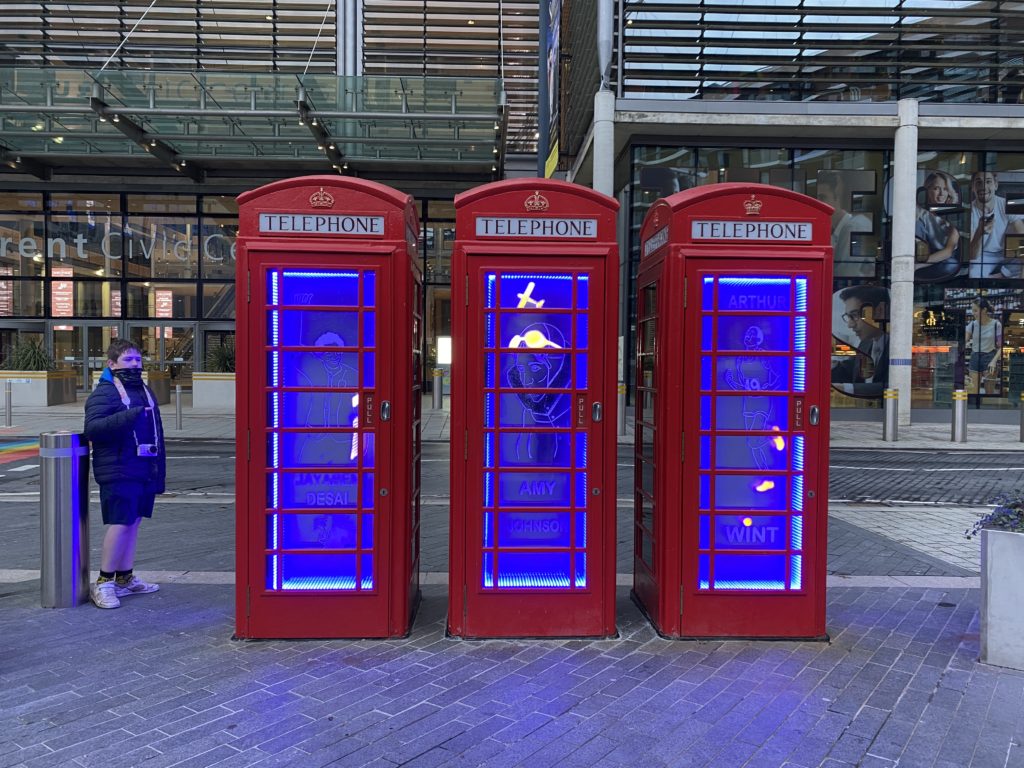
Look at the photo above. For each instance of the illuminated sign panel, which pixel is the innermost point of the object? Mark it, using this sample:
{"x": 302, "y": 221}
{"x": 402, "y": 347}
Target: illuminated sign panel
{"x": 321, "y": 224}
{"x": 790, "y": 231}
{"x": 522, "y": 226}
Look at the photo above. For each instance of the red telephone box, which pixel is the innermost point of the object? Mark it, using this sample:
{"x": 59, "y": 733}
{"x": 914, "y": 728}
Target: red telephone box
{"x": 328, "y": 410}
{"x": 732, "y": 426}
{"x": 534, "y": 329}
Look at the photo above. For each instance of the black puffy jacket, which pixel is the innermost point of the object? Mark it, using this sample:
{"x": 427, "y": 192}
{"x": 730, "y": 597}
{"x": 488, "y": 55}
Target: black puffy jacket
{"x": 109, "y": 426}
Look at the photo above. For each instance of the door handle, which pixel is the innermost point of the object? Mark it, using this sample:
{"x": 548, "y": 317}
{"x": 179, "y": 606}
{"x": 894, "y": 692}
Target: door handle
{"x": 814, "y": 416}
{"x": 596, "y": 411}
{"x": 385, "y": 410}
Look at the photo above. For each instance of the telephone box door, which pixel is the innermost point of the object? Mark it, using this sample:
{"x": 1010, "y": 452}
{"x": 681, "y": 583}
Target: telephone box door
{"x": 759, "y": 407}
{"x": 322, "y": 421}
{"x": 535, "y": 558}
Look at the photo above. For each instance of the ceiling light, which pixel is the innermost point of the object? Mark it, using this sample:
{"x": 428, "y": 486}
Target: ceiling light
{"x": 320, "y": 147}
{"x": 103, "y": 119}
{"x": 116, "y": 119}
{"x": 301, "y": 121}
{"x": 152, "y": 142}
{"x": 345, "y": 166}
{"x": 182, "y": 163}
{"x": 494, "y": 168}
{"x": 495, "y": 150}
{"x": 330, "y": 146}
{"x": 58, "y": 139}
{"x": 471, "y": 22}
{"x": 269, "y": 18}
{"x": 38, "y": 127}
{"x": 313, "y": 121}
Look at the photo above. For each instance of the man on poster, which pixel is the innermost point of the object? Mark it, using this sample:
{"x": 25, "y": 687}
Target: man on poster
{"x": 990, "y": 224}
{"x": 865, "y": 307}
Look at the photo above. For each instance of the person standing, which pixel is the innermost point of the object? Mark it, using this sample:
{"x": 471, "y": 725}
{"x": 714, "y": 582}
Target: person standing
{"x": 122, "y": 421}
{"x": 984, "y": 338}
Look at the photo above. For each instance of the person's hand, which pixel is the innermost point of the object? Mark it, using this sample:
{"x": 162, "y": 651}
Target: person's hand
{"x": 953, "y": 239}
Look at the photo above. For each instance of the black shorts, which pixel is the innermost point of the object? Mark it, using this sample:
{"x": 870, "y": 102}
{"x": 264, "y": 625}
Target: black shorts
{"x": 125, "y": 503}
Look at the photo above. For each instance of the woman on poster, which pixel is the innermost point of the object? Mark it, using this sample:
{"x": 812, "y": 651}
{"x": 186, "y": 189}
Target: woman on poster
{"x": 938, "y": 239}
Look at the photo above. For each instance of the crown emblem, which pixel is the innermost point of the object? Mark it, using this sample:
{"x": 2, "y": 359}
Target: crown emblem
{"x": 536, "y": 203}
{"x": 752, "y": 206}
{"x": 321, "y": 199}
{"x": 656, "y": 218}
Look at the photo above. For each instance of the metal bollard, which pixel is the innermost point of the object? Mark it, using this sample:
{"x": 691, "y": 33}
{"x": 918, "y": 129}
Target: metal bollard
{"x": 177, "y": 407}
{"x": 8, "y": 400}
{"x": 622, "y": 408}
{"x": 959, "y": 432}
{"x": 64, "y": 519}
{"x": 438, "y": 390}
{"x": 890, "y": 423}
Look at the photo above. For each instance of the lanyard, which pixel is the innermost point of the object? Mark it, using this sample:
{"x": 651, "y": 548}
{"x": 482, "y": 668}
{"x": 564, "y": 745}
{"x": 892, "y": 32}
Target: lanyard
{"x": 127, "y": 403}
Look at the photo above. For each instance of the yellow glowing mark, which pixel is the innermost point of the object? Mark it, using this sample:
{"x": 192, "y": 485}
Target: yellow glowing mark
{"x": 764, "y": 485}
{"x": 526, "y": 299}
{"x": 533, "y": 339}
{"x": 748, "y": 521}
{"x": 777, "y": 441}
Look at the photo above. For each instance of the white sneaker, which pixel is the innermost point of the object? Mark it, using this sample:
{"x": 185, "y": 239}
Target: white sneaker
{"x": 135, "y": 587}
{"x": 104, "y": 595}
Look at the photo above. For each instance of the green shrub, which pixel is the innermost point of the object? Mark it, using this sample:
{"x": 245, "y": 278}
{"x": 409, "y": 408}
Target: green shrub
{"x": 28, "y": 355}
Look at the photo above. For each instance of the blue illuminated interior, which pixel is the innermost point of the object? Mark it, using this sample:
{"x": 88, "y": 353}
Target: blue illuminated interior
{"x": 751, "y": 464}
{"x": 320, "y": 488}
{"x": 535, "y": 489}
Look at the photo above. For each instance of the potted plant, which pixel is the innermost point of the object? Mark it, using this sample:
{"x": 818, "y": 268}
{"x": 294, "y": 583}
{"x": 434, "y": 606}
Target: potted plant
{"x": 34, "y": 376}
{"x": 1002, "y": 573}
{"x": 214, "y": 388}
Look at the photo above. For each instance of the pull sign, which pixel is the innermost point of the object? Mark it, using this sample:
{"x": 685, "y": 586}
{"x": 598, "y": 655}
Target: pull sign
{"x": 798, "y": 413}
{"x": 581, "y": 411}
{"x": 369, "y": 415}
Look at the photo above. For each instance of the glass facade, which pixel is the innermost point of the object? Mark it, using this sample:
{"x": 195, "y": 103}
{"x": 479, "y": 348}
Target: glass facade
{"x": 968, "y": 322}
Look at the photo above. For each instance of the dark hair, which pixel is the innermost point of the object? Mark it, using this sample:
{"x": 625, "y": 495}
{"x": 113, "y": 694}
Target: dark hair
{"x": 119, "y": 346}
{"x": 869, "y": 295}
{"x": 983, "y": 304}
{"x": 831, "y": 179}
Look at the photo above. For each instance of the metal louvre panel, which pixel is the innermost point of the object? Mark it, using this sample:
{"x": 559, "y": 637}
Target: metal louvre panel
{"x": 195, "y": 34}
{"x": 436, "y": 38}
{"x": 867, "y": 50}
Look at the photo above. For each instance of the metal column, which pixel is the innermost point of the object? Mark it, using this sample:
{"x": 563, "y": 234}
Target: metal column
{"x": 890, "y": 425}
{"x": 959, "y": 431}
{"x": 64, "y": 519}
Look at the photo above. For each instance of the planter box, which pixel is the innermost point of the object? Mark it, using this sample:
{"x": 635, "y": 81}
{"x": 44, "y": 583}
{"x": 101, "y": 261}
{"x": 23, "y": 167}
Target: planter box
{"x": 213, "y": 392}
{"x": 1002, "y": 620}
{"x": 158, "y": 381}
{"x": 41, "y": 388}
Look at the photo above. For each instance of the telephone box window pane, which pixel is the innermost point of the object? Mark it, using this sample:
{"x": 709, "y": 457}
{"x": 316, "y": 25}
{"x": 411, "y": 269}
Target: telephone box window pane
{"x": 755, "y": 492}
{"x": 798, "y": 453}
{"x": 799, "y": 374}
{"x": 489, "y": 371}
{"x": 756, "y": 532}
{"x": 583, "y": 292}
{"x": 581, "y": 569}
{"x": 754, "y": 333}
{"x": 754, "y": 294}
{"x": 705, "y": 451}
{"x": 757, "y": 452}
{"x": 535, "y": 331}
{"x": 312, "y": 328}
{"x": 647, "y": 477}
{"x": 536, "y": 530}
{"x": 317, "y": 409}
{"x": 368, "y": 490}
{"x": 369, "y": 450}
{"x": 801, "y": 294}
{"x": 581, "y": 490}
{"x": 533, "y": 489}
{"x": 274, "y": 287}
{"x": 488, "y": 409}
{"x": 488, "y": 529}
{"x": 747, "y": 412}
{"x": 489, "y": 340}
{"x": 305, "y": 449}
{"x": 369, "y": 369}
{"x": 705, "y": 373}
{"x": 798, "y": 493}
{"x": 707, "y": 294}
{"x": 550, "y": 291}
{"x": 367, "y": 542}
{"x": 369, "y": 329}
{"x": 705, "y": 412}
{"x": 319, "y": 490}
{"x": 490, "y": 286}
{"x": 536, "y": 409}
{"x": 532, "y": 449}
{"x": 489, "y": 449}
{"x": 366, "y": 571}
{"x": 752, "y": 373}
{"x": 705, "y": 492}
{"x": 318, "y": 572}
{"x": 582, "y": 334}
{"x": 317, "y": 369}
{"x": 320, "y": 289}
{"x": 273, "y": 566}
{"x": 581, "y": 450}
{"x": 581, "y": 530}
{"x": 800, "y": 334}
{"x": 707, "y": 337}
{"x": 703, "y": 532}
{"x": 796, "y": 574}
{"x": 525, "y": 570}
{"x": 581, "y": 371}
{"x": 755, "y": 573}
{"x": 369, "y": 289}
{"x": 488, "y": 489}
{"x": 488, "y": 569}
{"x": 535, "y": 371}
{"x": 330, "y": 531}
{"x": 704, "y": 571}
{"x": 797, "y": 532}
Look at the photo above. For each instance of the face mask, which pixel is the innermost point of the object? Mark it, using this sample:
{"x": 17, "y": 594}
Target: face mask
{"x": 130, "y": 377}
